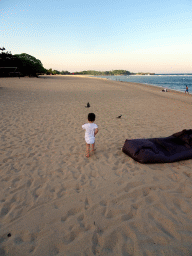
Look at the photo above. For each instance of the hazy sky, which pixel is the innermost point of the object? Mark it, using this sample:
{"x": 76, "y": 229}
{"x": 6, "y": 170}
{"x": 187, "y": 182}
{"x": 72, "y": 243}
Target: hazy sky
{"x": 76, "y": 35}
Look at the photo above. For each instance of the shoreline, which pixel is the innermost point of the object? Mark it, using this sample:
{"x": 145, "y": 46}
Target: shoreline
{"x": 144, "y": 84}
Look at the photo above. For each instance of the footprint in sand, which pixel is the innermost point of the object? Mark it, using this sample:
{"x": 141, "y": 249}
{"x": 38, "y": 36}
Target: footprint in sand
{"x": 86, "y": 203}
{"x": 71, "y": 212}
{"x": 18, "y": 240}
{"x": 127, "y": 216}
{"x": 81, "y": 217}
{"x": 95, "y": 240}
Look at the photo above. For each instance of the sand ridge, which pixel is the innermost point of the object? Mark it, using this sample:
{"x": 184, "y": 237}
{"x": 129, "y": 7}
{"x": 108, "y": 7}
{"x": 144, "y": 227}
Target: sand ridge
{"x": 55, "y": 201}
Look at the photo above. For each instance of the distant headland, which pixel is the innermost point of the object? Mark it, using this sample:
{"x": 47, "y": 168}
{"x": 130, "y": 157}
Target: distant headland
{"x": 118, "y": 72}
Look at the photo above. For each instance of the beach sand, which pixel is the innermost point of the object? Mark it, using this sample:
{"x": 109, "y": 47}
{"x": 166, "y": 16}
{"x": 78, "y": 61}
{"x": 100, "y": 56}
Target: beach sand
{"x": 55, "y": 201}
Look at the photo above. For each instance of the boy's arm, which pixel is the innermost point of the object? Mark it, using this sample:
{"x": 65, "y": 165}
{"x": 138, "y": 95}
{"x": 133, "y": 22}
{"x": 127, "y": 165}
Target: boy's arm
{"x": 96, "y": 131}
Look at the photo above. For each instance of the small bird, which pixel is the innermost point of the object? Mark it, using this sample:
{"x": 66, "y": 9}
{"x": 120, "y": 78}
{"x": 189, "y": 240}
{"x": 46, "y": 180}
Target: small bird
{"x": 88, "y": 105}
{"x": 119, "y": 116}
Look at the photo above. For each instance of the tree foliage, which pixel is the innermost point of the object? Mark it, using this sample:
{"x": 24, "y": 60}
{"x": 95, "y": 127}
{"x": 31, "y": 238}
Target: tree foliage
{"x": 8, "y": 63}
{"x": 24, "y": 64}
{"x": 103, "y": 73}
{"x": 56, "y": 72}
{"x": 29, "y": 65}
{"x": 89, "y": 72}
{"x": 5, "y": 58}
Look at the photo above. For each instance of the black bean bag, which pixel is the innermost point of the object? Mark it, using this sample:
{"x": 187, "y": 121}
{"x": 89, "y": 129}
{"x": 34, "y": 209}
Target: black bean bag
{"x": 174, "y": 148}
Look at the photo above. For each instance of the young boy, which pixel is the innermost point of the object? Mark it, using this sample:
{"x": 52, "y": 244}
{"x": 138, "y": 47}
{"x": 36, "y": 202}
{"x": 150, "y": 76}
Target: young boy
{"x": 91, "y": 130}
{"x": 187, "y": 89}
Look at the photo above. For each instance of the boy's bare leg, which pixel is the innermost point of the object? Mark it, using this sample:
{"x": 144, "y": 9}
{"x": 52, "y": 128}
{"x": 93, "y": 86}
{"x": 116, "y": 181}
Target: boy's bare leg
{"x": 87, "y": 149}
{"x": 93, "y": 147}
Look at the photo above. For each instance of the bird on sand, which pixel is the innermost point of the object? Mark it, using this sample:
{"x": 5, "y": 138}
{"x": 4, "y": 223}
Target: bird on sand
{"x": 119, "y": 116}
{"x": 88, "y": 105}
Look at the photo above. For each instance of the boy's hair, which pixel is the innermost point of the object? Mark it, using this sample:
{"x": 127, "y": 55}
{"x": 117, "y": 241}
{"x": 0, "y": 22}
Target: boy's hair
{"x": 91, "y": 117}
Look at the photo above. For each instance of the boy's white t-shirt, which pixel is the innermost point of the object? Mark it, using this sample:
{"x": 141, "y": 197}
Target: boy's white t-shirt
{"x": 89, "y": 132}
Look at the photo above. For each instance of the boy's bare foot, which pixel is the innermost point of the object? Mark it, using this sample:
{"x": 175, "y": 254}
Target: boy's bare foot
{"x": 93, "y": 150}
{"x": 87, "y": 155}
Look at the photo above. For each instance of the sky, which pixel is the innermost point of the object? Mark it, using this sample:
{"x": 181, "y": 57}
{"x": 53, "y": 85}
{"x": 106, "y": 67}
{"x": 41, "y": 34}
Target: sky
{"x": 76, "y": 35}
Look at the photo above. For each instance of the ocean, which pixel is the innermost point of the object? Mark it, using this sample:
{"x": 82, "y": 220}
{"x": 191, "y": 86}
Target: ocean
{"x": 176, "y": 82}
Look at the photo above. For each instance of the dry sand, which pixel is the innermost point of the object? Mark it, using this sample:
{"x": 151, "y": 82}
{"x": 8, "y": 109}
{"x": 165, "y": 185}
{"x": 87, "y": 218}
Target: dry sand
{"x": 55, "y": 201}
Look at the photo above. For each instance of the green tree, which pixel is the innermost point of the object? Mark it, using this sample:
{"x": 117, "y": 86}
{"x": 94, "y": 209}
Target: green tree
{"x": 5, "y": 57}
{"x": 56, "y": 72}
{"x": 65, "y": 72}
{"x": 104, "y": 73}
{"x": 29, "y": 65}
{"x": 49, "y": 71}
{"x": 8, "y": 63}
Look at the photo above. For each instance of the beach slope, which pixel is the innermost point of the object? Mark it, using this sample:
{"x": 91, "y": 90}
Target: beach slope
{"x": 55, "y": 201}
